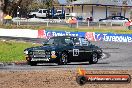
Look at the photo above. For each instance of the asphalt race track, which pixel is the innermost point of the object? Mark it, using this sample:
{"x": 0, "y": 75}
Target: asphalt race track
{"x": 117, "y": 56}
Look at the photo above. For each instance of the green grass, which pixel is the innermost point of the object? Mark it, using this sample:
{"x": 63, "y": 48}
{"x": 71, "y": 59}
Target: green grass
{"x": 12, "y": 51}
{"x": 102, "y": 30}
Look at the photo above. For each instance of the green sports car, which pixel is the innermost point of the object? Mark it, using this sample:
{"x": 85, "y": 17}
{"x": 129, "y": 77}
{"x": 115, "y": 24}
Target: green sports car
{"x": 63, "y": 50}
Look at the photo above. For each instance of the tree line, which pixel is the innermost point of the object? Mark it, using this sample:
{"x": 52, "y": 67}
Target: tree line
{"x": 11, "y": 7}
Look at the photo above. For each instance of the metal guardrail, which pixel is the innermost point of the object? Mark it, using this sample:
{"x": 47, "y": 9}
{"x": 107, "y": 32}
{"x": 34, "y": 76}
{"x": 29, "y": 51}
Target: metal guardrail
{"x": 62, "y": 22}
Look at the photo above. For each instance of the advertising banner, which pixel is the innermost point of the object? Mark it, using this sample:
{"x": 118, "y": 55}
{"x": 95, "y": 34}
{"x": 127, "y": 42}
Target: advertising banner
{"x": 110, "y": 37}
{"x": 51, "y": 33}
{"x": 92, "y": 36}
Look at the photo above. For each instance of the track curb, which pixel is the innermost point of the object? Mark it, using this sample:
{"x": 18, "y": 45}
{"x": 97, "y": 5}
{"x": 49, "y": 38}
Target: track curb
{"x": 13, "y": 63}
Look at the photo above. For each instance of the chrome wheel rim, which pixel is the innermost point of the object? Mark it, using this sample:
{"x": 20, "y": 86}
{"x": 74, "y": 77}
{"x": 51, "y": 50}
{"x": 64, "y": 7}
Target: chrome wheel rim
{"x": 64, "y": 58}
{"x": 95, "y": 58}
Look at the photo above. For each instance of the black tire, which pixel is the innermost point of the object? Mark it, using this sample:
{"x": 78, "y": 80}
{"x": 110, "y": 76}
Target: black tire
{"x": 34, "y": 16}
{"x": 32, "y": 63}
{"x": 64, "y": 59}
{"x": 81, "y": 80}
{"x": 94, "y": 58}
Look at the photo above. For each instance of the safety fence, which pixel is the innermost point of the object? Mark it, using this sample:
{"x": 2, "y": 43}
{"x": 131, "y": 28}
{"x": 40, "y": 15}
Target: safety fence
{"x": 63, "y": 22}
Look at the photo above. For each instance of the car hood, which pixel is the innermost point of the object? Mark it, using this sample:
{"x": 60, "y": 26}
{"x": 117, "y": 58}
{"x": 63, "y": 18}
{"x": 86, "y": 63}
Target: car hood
{"x": 46, "y": 47}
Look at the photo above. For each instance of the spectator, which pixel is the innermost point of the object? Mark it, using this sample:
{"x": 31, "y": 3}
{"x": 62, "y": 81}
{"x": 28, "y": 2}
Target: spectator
{"x": 90, "y": 19}
{"x": 72, "y": 21}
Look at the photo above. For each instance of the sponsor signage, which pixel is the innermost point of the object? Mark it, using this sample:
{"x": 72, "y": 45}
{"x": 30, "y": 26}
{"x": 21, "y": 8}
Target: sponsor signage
{"x": 110, "y": 37}
{"x": 103, "y": 78}
{"x": 51, "y": 33}
{"x": 91, "y": 36}
{"x": 83, "y": 78}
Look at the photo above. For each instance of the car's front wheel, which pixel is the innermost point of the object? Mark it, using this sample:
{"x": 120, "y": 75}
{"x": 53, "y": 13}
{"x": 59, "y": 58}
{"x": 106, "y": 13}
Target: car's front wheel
{"x": 94, "y": 58}
{"x": 64, "y": 59}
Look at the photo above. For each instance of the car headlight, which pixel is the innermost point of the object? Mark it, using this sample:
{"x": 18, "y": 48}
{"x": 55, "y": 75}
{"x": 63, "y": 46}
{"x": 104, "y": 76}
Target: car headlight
{"x": 53, "y": 52}
{"x": 26, "y": 52}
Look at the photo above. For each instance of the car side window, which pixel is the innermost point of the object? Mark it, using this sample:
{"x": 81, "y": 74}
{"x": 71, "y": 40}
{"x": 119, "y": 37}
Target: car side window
{"x": 68, "y": 41}
{"x": 84, "y": 42}
{"x": 76, "y": 41}
{"x": 44, "y": 11}
{"x": 40, "y": 11}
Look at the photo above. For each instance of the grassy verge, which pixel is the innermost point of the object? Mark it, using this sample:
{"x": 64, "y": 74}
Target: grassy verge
{"x": 119, "y": 30}
{"x": 11, "y": 51}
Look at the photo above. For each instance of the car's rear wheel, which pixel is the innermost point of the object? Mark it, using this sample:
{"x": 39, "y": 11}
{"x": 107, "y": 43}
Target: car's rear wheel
{"x": 94, "y": 58}
{"x": 64, "y": 59}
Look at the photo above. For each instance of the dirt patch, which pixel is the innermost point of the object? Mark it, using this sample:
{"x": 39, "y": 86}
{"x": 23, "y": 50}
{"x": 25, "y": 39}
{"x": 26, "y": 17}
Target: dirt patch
{"x": 53, "y": 79}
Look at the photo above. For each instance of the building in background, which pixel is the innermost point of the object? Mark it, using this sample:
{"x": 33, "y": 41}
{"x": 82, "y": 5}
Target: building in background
{"x": 98, "y": 9}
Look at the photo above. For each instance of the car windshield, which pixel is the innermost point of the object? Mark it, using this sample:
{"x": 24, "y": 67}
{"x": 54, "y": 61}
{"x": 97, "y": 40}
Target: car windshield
{"x": 68, "y": 40}
{"x": 59, "y": 40}
{"x": 52, "y": 41}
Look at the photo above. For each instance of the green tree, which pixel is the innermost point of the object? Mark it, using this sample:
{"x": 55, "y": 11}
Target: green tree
{"x": 12, "y": 6}
{"x": 9, "y": 6}
{"x": 45, "y": 4}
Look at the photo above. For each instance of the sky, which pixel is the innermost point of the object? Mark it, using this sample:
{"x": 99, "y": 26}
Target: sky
{"x": 62, "y": 1}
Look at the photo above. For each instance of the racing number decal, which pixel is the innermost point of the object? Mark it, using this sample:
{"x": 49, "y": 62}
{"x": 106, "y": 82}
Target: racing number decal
{"x": 75, "y": 52}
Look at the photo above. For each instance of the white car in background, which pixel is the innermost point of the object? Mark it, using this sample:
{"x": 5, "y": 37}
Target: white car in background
{"x": 114, "y": 19}
{"x": 39, "y": 13}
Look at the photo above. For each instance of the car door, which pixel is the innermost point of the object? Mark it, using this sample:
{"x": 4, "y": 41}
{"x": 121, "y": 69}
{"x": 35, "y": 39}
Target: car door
{"x": 77, "y": 51}
{"x": 39, "y": 14}
{"x": 87, "y": 49}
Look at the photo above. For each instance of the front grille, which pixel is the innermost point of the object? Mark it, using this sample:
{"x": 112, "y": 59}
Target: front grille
{"x": 38, "y": 52}
{"x": 41, "y": 53}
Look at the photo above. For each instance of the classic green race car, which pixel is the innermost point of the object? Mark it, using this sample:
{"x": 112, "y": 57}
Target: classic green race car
{"x": 63, "y": 50}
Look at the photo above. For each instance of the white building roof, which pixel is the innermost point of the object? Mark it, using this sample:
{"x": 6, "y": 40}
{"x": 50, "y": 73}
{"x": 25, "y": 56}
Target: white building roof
{"x": 104, "y": 2}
